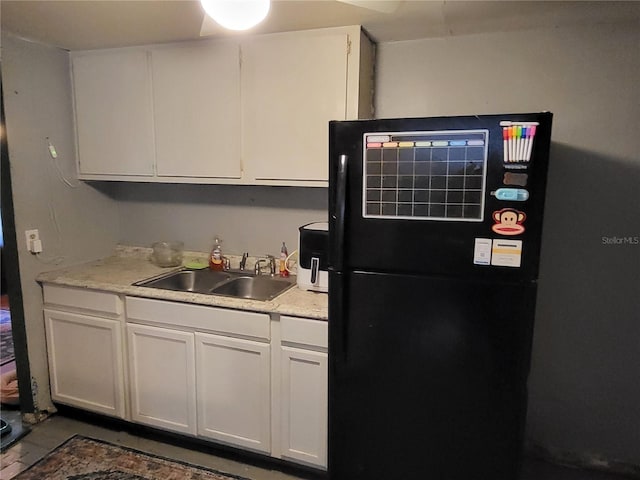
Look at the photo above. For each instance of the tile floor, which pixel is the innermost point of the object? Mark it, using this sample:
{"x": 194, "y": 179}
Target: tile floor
{"x": 47, "y": 435}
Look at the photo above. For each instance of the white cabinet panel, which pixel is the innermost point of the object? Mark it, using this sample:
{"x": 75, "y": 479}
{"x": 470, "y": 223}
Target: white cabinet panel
{"x": 233, "y": 391}
{"x": 86, "y": 361}
{"x": 304, "y": 405}
{"x": 162, "y": 373}
{"x": 305, "y": 331}
{"x": 199, "y": 317}
{"x": 113, "y": 107}
{"x": 292, "y": 85}
{"x": 196, "y": 91}
{"x": 105, "y": 303}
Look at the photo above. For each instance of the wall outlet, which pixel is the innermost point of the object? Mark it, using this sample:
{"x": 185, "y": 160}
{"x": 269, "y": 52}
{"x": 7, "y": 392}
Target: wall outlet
{"x": 34, "y": 245}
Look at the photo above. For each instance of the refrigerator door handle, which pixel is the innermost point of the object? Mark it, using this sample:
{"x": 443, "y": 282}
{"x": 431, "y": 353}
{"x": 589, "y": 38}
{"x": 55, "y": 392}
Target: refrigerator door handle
{"x": 339, "y": 215}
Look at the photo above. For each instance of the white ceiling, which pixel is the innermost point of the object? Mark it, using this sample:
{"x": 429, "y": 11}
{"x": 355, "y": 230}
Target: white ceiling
{"x": 90, "y": 24}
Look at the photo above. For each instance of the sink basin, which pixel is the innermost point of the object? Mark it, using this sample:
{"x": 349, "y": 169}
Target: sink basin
{"x": 198, "y": 281}
{"x": 229, "y": 284}
{"x": 255, "y": 288}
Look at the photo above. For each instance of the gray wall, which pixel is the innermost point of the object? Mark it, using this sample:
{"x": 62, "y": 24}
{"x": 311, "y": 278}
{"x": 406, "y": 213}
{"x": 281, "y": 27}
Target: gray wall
{"x": 76, "y": 224}
{"x": 585, "y": 379}
{"x": 253, "y": 219}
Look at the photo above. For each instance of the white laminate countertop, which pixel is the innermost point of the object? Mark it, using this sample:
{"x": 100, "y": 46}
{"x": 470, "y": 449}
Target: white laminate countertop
{"x": 129, "y": 265}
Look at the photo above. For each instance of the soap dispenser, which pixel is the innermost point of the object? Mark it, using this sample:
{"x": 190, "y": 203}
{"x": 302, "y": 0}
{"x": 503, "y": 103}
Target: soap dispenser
{"x": 283, "y": 261}
{"x": 215, "y": 259}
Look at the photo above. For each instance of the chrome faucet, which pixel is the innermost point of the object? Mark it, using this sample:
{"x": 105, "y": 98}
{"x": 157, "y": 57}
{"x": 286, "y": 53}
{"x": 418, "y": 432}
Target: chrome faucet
{"x": 243, "y": 262}
{"x": 256, "y": 268}
{"x": 272, "y": 265}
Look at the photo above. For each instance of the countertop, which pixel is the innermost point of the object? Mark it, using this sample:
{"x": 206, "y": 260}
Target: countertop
{"x": 129, "y": 265}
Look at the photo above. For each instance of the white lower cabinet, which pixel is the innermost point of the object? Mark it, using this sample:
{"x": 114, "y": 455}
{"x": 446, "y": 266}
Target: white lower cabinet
{"x": 84, "y": 331}
{"x": 85, "y": 361}
{"x": 249, "y": 380}
{"x": 201, "y": 370}
{"x": 233, "y": 391}
{"x": 304, "y": 405}
{"x": 303, "y": 390}
{"x": 162, "y": 373}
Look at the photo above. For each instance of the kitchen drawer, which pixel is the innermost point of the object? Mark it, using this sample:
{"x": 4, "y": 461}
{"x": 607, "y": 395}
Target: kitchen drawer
{"x": 304, "y": 331}
{"x": 199, "y": 317}
{"x": 83, "y": 299}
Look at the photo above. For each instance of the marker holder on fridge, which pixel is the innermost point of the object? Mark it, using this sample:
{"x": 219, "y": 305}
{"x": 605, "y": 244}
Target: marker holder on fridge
{"x": 517, "y": 140}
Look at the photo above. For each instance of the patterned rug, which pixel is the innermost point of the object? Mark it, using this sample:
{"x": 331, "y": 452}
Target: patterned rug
{"x": 82, "y": 458}
{"x": 6, "y": 339}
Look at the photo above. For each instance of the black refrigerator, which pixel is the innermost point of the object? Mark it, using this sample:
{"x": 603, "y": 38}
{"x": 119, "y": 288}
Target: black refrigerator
{"x": 434, "y": 232}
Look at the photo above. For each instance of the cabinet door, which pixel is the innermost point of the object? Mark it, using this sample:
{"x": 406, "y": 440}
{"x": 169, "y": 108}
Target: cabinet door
{"x": 196, "y": 91}
{"x": 304, "y": 405}
{"x": 292, "y": 85}
{"x": 162, "y": 375}
{"x": 233, "y": 384}
{"x": 113, "y": 107}
{"x": 86, "y": 361}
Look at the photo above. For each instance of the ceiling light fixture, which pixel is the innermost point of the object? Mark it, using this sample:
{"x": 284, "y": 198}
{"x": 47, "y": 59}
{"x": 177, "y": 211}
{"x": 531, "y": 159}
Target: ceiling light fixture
{"x": 237, "y": 14}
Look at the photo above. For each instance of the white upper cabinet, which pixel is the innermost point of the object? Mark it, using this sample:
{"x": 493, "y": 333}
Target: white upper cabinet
{"x": 113, "y": 107}
{"x": 293, "y": 84}
{"x": 196, "y": 99}
{"x": 248, "y": 112}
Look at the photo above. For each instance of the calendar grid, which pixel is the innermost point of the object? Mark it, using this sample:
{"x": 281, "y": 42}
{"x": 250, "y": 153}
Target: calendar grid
{"x": 425, "y": 175}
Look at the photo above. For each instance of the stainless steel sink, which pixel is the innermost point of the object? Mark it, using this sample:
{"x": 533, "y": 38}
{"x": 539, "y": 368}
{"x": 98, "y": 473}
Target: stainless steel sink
{"x": 256, "y": 288}
{"x": 230, "y": 284}
{"x": 198, "y": 281}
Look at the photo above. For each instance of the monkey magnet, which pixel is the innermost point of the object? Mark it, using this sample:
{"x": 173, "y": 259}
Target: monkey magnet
{"x": 508, "y": 221}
